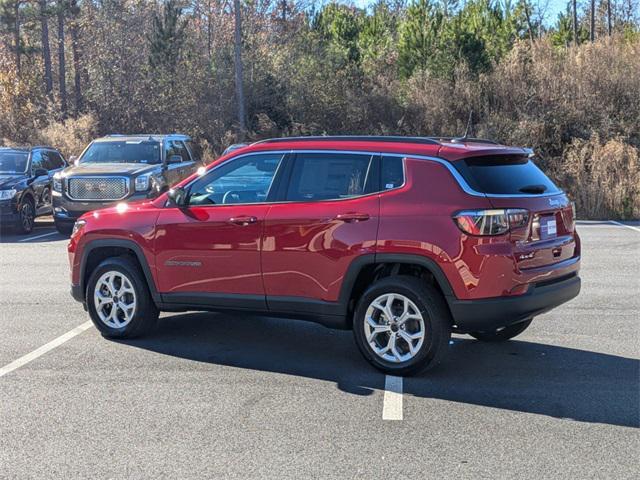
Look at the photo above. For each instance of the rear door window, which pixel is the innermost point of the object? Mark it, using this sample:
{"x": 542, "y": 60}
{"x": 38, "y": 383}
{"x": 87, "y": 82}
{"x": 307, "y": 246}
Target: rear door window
{"x": 330, "y": 176}
{"x": 505, "y": 175}
{"x": 54, "y": 161}
{"x": 176, "y": 147}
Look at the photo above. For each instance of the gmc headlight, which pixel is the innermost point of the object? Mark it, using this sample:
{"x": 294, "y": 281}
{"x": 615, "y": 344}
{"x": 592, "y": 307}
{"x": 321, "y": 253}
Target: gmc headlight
{"x": 57, "y": 182}
{"x": 8, "y": 194}
{"x": 143, "y": 182}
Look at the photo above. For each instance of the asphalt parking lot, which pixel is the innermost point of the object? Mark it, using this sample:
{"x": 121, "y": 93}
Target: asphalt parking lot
{"x": 221, "y": 396}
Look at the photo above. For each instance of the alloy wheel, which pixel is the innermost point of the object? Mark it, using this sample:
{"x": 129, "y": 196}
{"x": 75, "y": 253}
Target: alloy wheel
{"x": 27, "y": 216}
{"x": 394, "y": 328}
{"x": 115, "y": 299}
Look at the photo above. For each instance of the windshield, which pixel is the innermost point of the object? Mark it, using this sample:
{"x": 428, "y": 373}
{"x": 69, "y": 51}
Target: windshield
{"x": 13, "y": 162}
{"x": 122, "y": 152}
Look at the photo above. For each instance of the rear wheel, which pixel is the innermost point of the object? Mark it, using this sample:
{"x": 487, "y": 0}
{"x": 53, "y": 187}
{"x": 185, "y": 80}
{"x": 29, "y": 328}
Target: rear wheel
{"x": 119, "y": 301}
{"x": 26, "y": 216}
{"x": 402, "y": 326}
{"x": 502, "y": 334}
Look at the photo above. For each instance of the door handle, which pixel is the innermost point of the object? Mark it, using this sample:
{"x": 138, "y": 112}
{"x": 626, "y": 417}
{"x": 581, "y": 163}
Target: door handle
{"x": 243, "y": 220}
{"x": 352, "y": 217}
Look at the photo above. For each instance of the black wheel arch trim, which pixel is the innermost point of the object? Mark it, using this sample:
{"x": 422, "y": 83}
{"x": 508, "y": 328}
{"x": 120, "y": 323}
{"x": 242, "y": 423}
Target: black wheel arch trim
{"x": 118, "y": 243}
{"x": 362, "y": 261}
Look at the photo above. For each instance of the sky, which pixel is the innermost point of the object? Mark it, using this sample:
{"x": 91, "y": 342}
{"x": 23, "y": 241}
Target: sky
{"x": 553, "y": 7}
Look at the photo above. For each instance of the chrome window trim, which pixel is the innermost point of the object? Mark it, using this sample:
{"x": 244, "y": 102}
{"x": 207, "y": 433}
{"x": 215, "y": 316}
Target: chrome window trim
{"x": 127, "y": 186}
{"x": 291, "y": 152}
{"x": 447, "y": 164}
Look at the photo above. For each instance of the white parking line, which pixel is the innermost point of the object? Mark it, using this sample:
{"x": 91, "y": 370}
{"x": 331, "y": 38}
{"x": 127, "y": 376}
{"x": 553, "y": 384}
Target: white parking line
{"x": 624, "y": 225}
{"x": 392, "y": 407}
{"x": 38, "y": 236}
{"x": 38, "y": 352}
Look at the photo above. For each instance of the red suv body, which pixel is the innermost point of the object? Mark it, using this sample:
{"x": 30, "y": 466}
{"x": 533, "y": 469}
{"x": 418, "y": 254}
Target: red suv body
{"x": 403, "y": 239}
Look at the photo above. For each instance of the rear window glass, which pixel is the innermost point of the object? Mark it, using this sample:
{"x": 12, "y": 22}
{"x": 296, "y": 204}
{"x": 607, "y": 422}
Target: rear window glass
{"x": 506, "y": 175}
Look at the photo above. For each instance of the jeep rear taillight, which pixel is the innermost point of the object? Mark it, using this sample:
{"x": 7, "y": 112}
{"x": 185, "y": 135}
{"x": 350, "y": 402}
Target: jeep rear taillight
{"x": 491, "y": 222}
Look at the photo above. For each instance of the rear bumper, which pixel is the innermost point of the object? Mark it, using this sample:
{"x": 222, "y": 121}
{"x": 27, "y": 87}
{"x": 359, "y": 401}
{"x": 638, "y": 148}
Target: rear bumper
{"x": 492, "y": 313}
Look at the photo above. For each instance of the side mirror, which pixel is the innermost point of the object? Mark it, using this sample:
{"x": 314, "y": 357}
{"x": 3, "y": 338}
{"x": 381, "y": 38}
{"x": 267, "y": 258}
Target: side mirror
{"x": 40, "y": 172}
{"x": 175, "y": 159}
{"x": 72, "y": 160}
{"x": 178, "y": 196}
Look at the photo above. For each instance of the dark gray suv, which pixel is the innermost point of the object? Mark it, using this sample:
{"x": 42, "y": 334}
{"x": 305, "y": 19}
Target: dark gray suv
{"x": 119, "y": 168}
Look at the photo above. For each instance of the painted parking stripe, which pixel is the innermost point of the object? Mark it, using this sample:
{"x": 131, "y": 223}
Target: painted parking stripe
{"x": 38, "y": 236}
{"x": 38, "y": 352}
{"x": 392, "y": 407}
{"x": 625, "y": 225}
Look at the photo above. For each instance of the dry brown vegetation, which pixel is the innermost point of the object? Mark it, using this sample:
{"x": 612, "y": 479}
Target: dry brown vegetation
{"x": 577, "y": 106}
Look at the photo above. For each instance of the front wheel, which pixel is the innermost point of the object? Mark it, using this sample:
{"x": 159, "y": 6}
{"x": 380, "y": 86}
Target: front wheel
{"x": 402, "y": 325}
{"x": 26, "y": 216}
{"x": 502, "y": 334}
{"x": 119, "y": 301}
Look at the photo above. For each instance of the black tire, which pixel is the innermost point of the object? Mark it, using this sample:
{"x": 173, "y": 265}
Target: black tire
{"x": 26, "y": 216}
{"x": 64, "y": 228}
{"x": 435, "y": 315}
{"x": 502, "y": 334}
{"x": 145, "y": 314}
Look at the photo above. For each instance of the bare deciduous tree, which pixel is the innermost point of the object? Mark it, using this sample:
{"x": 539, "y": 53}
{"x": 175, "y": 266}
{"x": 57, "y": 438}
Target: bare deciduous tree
{"x": 62, "y": 71}
{"x": 238, "y": 67}
{"x": 46, "y": 51}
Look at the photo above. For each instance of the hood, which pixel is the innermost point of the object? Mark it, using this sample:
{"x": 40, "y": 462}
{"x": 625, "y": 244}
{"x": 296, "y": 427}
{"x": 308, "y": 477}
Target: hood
{"x": 9, "y": 180}
{"x": 126, "y": 169}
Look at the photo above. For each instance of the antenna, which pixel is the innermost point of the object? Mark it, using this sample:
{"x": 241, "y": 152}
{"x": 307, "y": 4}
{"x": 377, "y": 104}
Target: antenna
{"x": 467, "y": 131}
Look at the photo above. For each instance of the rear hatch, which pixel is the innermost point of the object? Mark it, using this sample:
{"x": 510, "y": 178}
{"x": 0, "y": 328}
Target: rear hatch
{"x": 515, "y": 182}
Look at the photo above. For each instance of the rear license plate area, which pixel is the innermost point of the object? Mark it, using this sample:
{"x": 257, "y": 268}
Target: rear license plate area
{"x": 548, "y": 228}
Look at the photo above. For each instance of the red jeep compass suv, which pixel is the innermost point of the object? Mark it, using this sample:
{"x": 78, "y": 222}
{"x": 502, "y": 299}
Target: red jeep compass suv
{"x": 403, "y": 240}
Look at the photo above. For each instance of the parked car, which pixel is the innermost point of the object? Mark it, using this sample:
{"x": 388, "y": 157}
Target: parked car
{"x": 403, "y": 240}
{"x": 119, "y": 168}
{"x": 25, "y": 184}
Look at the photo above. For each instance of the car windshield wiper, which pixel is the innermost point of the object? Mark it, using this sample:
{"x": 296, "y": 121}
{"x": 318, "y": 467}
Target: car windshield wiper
{"x": 533, "y": 189}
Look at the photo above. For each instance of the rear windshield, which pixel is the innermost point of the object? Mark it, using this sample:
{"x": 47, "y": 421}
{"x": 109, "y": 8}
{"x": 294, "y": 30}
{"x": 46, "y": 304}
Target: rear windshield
{"x": 505, "y": 175}
{"x": 122, "y": 152}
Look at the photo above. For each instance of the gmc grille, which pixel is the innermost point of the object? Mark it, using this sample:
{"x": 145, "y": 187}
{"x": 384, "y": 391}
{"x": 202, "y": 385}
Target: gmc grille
{"x": 96, "y": 188}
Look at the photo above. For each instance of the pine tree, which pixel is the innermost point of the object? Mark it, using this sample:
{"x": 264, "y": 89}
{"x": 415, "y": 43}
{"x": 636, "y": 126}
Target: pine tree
{"x": 421, "y": 35}
{"x": 167, "y": 37}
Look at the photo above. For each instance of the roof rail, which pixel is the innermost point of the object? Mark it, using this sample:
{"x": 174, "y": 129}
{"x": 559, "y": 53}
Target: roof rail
{"x": 462, "y": 139}
{"x": 354, "y": 138}
{"x": 147, "y": 135}
{"x": 27, "y": 147}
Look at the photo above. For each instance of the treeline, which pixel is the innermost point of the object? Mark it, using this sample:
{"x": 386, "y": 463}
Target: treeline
{"x": 223, "y": 71}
